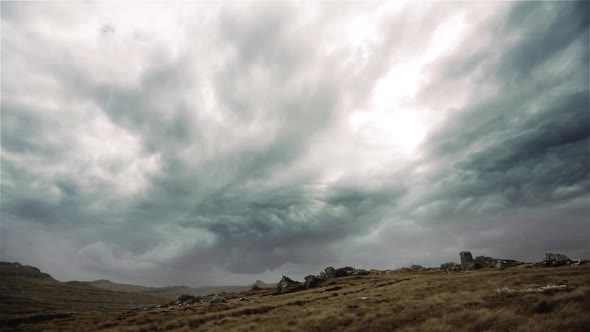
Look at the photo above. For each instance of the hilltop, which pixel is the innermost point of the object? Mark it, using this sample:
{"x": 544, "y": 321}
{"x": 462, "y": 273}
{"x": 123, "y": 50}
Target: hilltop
{"x": 513, "y": 296}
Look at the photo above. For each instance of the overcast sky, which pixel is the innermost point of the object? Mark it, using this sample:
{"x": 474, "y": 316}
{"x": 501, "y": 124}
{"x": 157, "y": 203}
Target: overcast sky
{"x": 220, "y": 143}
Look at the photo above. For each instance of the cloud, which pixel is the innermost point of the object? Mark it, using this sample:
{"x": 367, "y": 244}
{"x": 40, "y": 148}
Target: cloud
{"x": 200, "y": 143}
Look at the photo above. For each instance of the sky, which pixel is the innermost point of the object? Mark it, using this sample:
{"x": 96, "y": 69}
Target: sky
{"x": 215, "y": 143}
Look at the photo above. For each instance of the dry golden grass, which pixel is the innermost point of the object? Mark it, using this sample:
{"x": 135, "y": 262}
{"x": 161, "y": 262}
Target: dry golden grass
{"x": 400, "y": 301}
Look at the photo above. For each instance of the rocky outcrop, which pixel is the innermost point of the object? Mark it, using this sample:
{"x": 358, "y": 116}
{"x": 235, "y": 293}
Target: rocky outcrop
{"x": 556, "y": 259}
{"x": 189, "y": 299}
{"x": 312, "y": 281}
{"x": 348, "y": 271}
{"x": 328, "y": 273}
{"x": 506, "y": 263}
{"x": 287, "y": 285}
{"x": 413, "y": 268}
{"x": 183, "y": 301}
{"x": 450, "y": 267}
{"x": 483, "y": 262}
{"x": 17, "y": 269}
{"x": 467, "y": 260}
{"x": 216, "y": 299}
{"x": 544, "y": 289}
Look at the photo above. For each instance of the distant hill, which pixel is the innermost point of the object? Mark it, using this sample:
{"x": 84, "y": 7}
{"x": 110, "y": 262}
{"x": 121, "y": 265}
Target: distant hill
{"x": 107, "y": 284}
{"x": 173, "y": 292}
{"x": 486, "y": 299}
{"x": 262, "y": 284}
{"x": 26, "y": 290}
{"x": 17, "y": 269}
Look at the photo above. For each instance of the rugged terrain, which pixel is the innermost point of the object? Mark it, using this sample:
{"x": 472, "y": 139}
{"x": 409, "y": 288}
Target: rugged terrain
{"x": 486, "y": 299}
{"x": 172, "y": 292}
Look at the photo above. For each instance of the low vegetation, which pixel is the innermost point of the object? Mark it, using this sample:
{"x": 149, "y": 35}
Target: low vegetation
{"x": 416, "y": 299}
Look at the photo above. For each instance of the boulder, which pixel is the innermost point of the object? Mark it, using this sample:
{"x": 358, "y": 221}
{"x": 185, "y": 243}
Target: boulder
{"x": 506, "y": 263}
{"x": 467, "y": 261}
{"x": 556, "y": 259}
{"x": 312, "y": 281}
{"x": 348, "y": 271}
{"x": 328, "y": 273}
{"x": 413, "y": 268}
{"x": 450, "y": 267}
{"x": 217, "y": 299}
{"x": 287, "y": 284}
{"x": 482, "y": 262}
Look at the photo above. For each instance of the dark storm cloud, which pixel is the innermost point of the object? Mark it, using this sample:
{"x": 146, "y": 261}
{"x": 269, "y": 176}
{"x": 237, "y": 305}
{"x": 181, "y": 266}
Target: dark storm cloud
{"x": 215, "y": 151}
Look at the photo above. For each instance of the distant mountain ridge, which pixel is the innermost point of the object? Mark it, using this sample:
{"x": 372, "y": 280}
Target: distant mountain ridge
{"x": 170, "y": 292}
{"x": 26, "y": 290}
{"x": 174, "y": 291}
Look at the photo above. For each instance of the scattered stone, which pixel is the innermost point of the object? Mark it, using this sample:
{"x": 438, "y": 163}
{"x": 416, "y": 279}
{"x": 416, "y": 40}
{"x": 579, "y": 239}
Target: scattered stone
{"x": 287, "y": 284}
{"x": 413, "y": 268}
{"x": 217, "y": 299}
{"x": 544, "y": 289}
{"x": 243, "y": 299}
{"x": 556, "y": 259}
{"x": 467, "y": 261}
{"x": 547, "y": 288}
{"x": 348, "y": 271}
{"x": 450, "y": 267}
{"x": 506, "y": 290}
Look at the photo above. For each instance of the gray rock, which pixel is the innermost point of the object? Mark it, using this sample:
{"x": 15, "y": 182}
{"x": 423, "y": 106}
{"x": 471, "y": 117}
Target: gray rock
{"x": 556, "y": 259}
{"x": 348, "y": 271}
{"x": 328, "y": 273}
{"x": 450, "y": 267}
{"x": 312, "y": 281}
{"x": 506, "y": 263}
{"x": 482, "y": 262}
{"x": 217, "y": 299}
{"x": 413, "y": 268}
{"x": 467, "y": 261}
{"x": 287, "y": 284}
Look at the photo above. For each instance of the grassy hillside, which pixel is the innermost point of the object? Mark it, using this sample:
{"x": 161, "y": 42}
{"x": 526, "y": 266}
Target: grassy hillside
{"x": 173, "y": 292}
{"x": 396, "y": 301}
{"x": 33, "y": 292}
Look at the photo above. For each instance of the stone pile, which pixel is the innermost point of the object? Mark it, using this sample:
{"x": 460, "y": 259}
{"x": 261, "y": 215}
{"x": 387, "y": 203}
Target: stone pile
{"x": 288, "y": 285}
{"x": 313, "y": 281}
{"x": 556, "y": 259}
{"x": 216, "y": 299}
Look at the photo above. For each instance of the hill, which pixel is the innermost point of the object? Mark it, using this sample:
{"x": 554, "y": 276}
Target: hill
{"x": 26, "y": 291}
{"x": 488, "y": 299}
{"x": 173, "y": 292}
